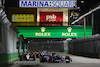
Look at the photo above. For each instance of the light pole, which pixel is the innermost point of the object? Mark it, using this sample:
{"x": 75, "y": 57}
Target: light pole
{"x": 84, "y": 26}
{"x": 92, "y": 19}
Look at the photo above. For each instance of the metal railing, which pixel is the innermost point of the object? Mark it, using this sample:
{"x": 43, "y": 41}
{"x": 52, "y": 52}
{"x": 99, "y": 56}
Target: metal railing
{"x": 84, "y": 16}
{"x": 90, "y": 12}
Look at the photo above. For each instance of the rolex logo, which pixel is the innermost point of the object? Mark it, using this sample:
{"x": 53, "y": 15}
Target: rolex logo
{"x": 43, "y": 29}
{"x": 69, "y": 29}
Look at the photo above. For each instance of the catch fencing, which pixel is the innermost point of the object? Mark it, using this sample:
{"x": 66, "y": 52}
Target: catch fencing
{"x": 87, "y": 46}
{"x": 57, "y": 46}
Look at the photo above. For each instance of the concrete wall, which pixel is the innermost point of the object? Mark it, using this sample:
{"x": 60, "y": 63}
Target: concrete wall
{"x": 65, "y": 46}
{"x": 8, "y": 50}
{"x": 9, "y": 39}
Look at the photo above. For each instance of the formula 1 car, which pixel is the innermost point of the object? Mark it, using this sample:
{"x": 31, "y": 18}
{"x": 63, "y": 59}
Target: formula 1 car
{"x": 55, "y": 58}
{"x": 37, "y": 53}
{"x": 29, "y": 56}
{"x": 46, "y": 57}
{"x": 68, "y": 59}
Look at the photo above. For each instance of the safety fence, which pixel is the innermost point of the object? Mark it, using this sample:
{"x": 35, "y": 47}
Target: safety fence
{"x": 57, "y": 46}
{"x": 91, "y": 18}
{"x": 87, "y": 46}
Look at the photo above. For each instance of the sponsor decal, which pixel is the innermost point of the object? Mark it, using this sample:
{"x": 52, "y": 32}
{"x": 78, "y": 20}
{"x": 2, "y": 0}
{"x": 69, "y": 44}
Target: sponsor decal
{"x": 34, "y": 3}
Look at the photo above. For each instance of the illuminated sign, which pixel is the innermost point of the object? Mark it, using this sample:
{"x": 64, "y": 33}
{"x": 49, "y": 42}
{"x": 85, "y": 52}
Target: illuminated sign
{"x": 34, "y": 3}
{"x": 54, "y": 32}
{"x": 51, "y": 16}
{"x": 42, "y": 33}
{"x": 51, "y": 19}
{"x": 69, "y": 34}
{"x": 22, "y": 18}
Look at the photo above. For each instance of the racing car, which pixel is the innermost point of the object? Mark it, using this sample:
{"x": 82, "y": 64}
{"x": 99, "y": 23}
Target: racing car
{"x": 46, "y": 57}
{"x": 57, "y": 58}
{"x": 29, "y": 56}
{"x": 53, "y": 57}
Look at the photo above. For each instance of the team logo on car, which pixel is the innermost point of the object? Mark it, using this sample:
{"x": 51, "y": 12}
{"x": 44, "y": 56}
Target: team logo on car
{"x": 69, "y": 29}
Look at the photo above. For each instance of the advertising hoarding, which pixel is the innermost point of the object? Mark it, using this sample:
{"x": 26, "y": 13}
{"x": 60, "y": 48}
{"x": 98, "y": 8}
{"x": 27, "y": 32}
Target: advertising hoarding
{"x": 54, "y": 32}
{"x": 22, "y": 17}
{"x": 51, "y": 18}
{"x": 49, "y": 4}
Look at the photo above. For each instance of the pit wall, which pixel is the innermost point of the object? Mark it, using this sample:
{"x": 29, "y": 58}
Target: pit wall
{"x": 8, "y": 51}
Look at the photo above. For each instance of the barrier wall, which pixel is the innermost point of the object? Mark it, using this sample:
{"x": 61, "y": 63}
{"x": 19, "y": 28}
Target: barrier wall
{"x": 57, "y": 46}
{"x": 8, "y": 49}
{"x": 87, "y": 46}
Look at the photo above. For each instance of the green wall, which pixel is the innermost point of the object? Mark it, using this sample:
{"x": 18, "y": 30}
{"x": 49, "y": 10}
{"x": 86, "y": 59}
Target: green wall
{"x": 65, "y": 51}
{"x": 9, "y": 58}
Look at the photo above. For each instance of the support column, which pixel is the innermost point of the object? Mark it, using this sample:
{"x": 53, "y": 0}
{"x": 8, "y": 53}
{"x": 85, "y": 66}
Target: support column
{"x": 92, "y": 19}
{"x": 20, "y": 40}
{"x": 84, "y": 26}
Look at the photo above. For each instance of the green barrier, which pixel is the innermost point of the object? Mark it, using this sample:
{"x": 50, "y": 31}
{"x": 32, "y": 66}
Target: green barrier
{"x": 8, "y": 58}
{"x": 65, "y": 51}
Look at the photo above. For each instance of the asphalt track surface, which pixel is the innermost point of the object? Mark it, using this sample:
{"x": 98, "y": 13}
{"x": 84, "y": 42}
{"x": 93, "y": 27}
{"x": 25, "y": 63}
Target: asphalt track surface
{"x": 77, "y": 61}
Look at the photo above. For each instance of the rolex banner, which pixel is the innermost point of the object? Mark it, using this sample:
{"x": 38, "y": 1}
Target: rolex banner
{"x": 54, "y": 32}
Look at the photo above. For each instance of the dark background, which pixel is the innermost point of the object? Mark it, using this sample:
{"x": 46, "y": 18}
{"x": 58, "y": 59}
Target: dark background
{"x": 85, "y": 7}
{"x": 0, "y": 34}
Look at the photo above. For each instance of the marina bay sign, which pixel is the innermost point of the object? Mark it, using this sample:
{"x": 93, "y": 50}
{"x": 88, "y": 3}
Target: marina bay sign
{"x": 53, "y": 3}
{"x": 54, "y": 32}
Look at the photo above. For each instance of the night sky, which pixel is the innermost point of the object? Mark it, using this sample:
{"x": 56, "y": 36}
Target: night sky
{"x": 87, "y": 5}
